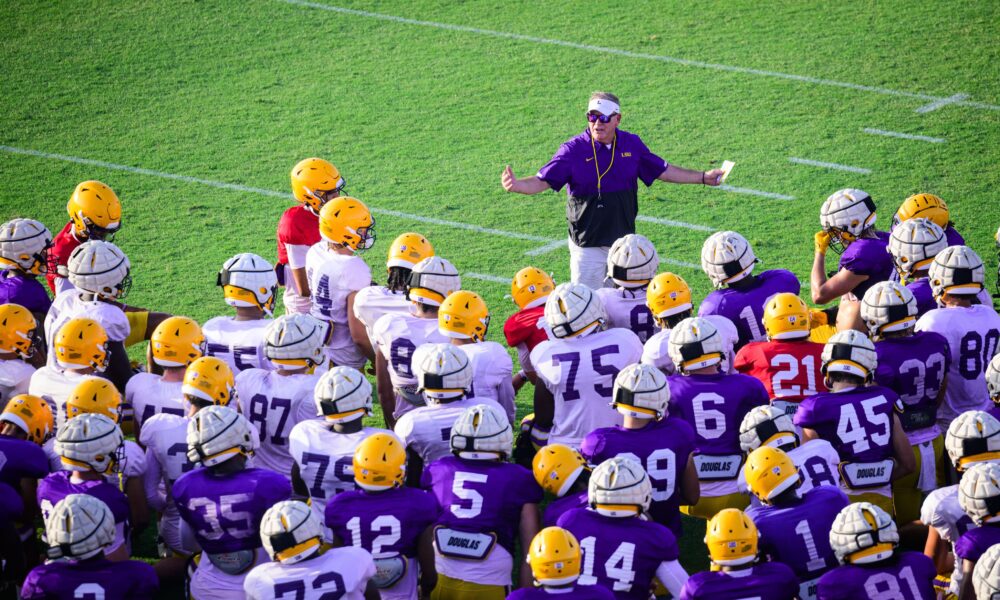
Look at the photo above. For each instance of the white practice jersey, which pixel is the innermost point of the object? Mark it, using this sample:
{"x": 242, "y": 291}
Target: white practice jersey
{"x": 165, "y": 439}
{"x": 332, "y": 278}
{"x": 580, "y": 373}
{"x": 973, "y": 334}
{"x": 627, "y": 309}
{"x": 942, "y": 511}
{"x": 818, "y": 464}
{"x": 325, "y": 459}
{"x": 149, "y": 395}
{"x": 341, "y": 573}
{"x": 656, "y": 351}
{"x": 492, "y": 370}
{"x": 427, "y": 430}
{"x": 397, "y": 337}
{"x": 376, "y": 300}
{"x": 239, "y": 343}
{"x": 15, "y": 377}
{"x": 275, "y": 404}
{"x": 71, "y": 306}
{"x": 55, "y": 385}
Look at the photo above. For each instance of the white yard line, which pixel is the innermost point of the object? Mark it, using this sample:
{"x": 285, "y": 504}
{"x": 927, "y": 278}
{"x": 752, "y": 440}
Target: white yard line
{"x": 829, "y": 165}
{"x": 956, "y": 99}
{"x": 656, "y": 57}
{"x": 550, "y": 247}
{"x": 680, "y": 263}
{"x": 762, "y": 194}
{"x": 485, "y": 277}
{"x": 672, "y": 223}
{"x": 905, "y": 136}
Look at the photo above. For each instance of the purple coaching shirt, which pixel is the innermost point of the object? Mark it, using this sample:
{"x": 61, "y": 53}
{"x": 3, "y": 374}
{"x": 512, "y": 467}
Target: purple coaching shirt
{"x": 26, "y": 291}
{"x": 868, "y": 256}
{"x": 745, "y": 306}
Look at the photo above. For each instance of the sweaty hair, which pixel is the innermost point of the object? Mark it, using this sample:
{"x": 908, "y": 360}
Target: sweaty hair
{"x": 605, "y": 96}
{"x": 673, "y": 320}
{"x": 398, "y": 279}
{"x": 840, "y": 377}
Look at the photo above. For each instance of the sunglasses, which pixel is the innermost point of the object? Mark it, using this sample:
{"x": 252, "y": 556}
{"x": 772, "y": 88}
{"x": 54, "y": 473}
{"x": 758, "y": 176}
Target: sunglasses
{"x": 594, "y": 118}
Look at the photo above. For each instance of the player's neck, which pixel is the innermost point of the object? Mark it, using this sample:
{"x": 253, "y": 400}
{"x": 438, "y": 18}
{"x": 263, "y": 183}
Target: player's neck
{"x": 339, "y": 249}
{"x": 710, "y": 370}
{"x": 747, "y": 282}
{"x": 630, "y": 422}
{"x": 348, "y": 427}
{"x": 173, "y": 374}
{"x": 560, "y": 589}
{"x": 949, "y": 301}
{"x": 843, "y": 386}
{"x": 8, "y": 356}
{"x": 736, "y": 568}
{"x": 248, "y": 313}
{"x": 458, "y": 342}
{"x": 86, "y": 475}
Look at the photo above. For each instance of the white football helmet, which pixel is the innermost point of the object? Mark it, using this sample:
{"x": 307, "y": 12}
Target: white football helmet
{"x": 80, "y": 526}
{"x": 247, "y": 280}
{"x": 619, "y": 487}
{"x": 993, "y": 378}
{"x": 216, "y": 434}
{"x": 849, "y": 352}
{"x": 973, "y": 437}
{"x": 767, "y": 426}
{"x": 442, "y": 371}
{"x": 343, "y": 394}
{"x": 296, "y": 341}
{"x": 956, "y": 270}
{"x": 863, "y": 533}
{"x": 979, "y": 492}
{"x": 641, "y": 391}
{"x": 100, "y": 268}
{"x": 632, "y": 261}
{"x": 90, "y": 442}
{"x": 432, "y": 280}
{"x": 986, "y": 575}
{"x": 726, "y": 256}
{"x": 913, "y": 245}
{"x": 845, "y": 215}
{"x": 888, "y": 306}
{"x": 290, "y": 532}
{"x": 573, "y": 309}
{"x": 695, "y": 343}
{"x": 482, "y": 433}
{"x": 23, "y": 245}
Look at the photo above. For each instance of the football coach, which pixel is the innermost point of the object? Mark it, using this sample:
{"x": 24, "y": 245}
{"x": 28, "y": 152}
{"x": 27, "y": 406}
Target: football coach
{"x": 601, "y": 168}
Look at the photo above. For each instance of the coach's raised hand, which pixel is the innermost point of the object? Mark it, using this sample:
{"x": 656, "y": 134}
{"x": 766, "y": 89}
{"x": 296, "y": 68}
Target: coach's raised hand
{"x": 528, "y": 185}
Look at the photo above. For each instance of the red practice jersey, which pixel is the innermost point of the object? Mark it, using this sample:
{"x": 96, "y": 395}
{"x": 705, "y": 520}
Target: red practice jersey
{"x": 524, "y": 330}
{"x": 297, "y": 227}
{"x": 62, "y": 246}
{"x": 788, "y": 369}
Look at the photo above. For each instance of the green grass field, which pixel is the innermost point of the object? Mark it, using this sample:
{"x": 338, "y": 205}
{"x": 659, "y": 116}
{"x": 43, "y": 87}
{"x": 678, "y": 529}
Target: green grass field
{"x": 421, "y": 118}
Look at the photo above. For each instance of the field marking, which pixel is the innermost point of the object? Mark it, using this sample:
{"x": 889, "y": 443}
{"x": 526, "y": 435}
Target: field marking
{"x": 550, "y": 247}
{"x": 679, "y": 263}
{"x": 829, "y": 165}
{"x": 486, "y": 277}
{"x": 672, "y": 223}
{"x": 905, "y": 136}
{"x": 657, "y": 57}
{"x": 956, "y": 99}
{"x": 739, "y": 190}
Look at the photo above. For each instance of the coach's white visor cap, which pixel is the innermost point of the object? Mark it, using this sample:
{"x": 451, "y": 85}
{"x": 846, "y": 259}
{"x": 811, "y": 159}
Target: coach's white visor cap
{"x": 603, "y": 106}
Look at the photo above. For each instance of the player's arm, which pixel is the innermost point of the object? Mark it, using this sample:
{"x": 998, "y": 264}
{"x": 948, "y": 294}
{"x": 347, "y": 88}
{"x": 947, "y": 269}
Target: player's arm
{"x": 942, "y": 391}
{"x": 544, "y": 407}
{"x": 809, "y": 434}
{"x": 301, "y": 281}
{"x": 120, "y": 554}
{"x": 901, "y": 451}
{"x": 135, "y": 492}
{"x": 29, "y": 497}
{"x": 151, "y": 483}
{"x": 298, "y": 484}
{"x": 531, "y": 523}
{"x": 425, "y": 558}
{"x": 358, "y": 332}
{"x": 967, "y": 591}
{"x": 937, "y": 550}
{"x": 383, "y": 385}
{"x": 371, "y": 592}
{"x": 690, "y": 487}
{"x": 119, "y": 369}
{"x": 414, "y": 467}
{"x": 827, "y": 290}
{"x": 673, "y": 576}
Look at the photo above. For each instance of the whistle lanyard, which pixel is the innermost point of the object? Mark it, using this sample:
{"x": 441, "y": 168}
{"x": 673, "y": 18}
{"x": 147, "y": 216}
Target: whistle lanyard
{"x": 597, "y": 169}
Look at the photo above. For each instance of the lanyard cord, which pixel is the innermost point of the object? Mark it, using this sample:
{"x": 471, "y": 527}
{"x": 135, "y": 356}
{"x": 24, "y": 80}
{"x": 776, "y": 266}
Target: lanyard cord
{"x": 597, "y": 169}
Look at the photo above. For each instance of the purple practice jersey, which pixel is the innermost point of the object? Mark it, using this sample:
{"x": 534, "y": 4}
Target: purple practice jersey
{"x": 11, "y": 505}
{"x": 621, "y": 554}
{"x": 858, "y": 422}
{"x": 662, "y": 447}
{"x": 96, "y": 578}
{"x": 385, "y": 523}
{"x": 557, "y": 507}
{"x": 869, "y": 257}
{"x": 224, "y": 511}
{"x": 745, "y": 306}
{"x": 905, "y": 576}
{"x": 576, "y": 592}
{"x": 26, "y": 291}
{"x": 21, "y": 459}
{"x": 923, "y": 294}
{"x": 765, "y": 581}
{"x": 798, "y": 534}
{"x": 977, "y": 541}
{"x": 58, "y": 485}
{"x": 481, "y": 496}
{"x": 714, "y": 406}
{"x": 914, "y": 367}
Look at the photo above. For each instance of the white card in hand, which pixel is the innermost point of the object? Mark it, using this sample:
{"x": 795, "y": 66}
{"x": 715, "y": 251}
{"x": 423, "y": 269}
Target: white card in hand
{"x": 727, "y": 166}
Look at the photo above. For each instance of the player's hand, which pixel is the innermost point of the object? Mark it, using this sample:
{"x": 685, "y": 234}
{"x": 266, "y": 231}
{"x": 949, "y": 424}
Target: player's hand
{"x": 713, "y": 177}
{"x": 822, "y": 241}
{"x": 508, "y": 180}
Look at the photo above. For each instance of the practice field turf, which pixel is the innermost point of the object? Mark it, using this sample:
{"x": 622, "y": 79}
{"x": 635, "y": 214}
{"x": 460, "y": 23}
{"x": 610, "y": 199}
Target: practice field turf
{"x": 194, "y": 112}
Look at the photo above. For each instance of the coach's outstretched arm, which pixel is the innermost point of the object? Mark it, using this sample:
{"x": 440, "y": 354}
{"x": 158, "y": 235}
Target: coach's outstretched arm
{"x": 528, "y": 185}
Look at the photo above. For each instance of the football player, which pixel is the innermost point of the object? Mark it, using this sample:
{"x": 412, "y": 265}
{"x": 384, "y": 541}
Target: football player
{"x": 554, "y": 558}
{"x": 90, "y": 446}
{"x": 358, "y": 517}
{"x": 293, "y": 538}
{"x": 397, "y": 336}
{"x": 713, "y": 404}
{"x": 207, "y": 381}
{"x": 527, "y": 328}
{"x": 79, "y": 531}
{"x": 669, "y": 300}
{"x": 740, "y": 296}
{"x": 95, "y": 213}
{"x": 816, "y": 461}
{"x": 663, "y": 445}
{"x": 18, "y": 346}
{"x": 25, "y": 424}
{"x": 979, "y": 497}
{"x": 562, "y": 472}
{"x": 176, "y": 343}
{"x": 986, "y": 577}
{"x": 578, "y": 367}
{"x": 464, "y": 318}
{"x": 323, "y": 449}
{"x": 220, "y": 439}
{"x": 486, "y": 502}
{"x": 336, "y": 274}
{"x": 24, "y": 245}
{"x": 376, "y": 300}
{"x": 314, "y": 183}
{"x": 624, "y": 551}
{"x": 275, "y": 401}
{"x": 632, "y": 263}
{"x": 848, "y": 220}
{"x": 860, "y": 420}
{"x": 913, "y": 245}
{"x": 788, "y": 362}
{"x": 915, "y": 365}
{"x": 80, "y": 349}
{"x": 932, "y": 208}
{"x": 972, "y": 330}
{"x": 805, "y": 547}
{"x": 249, "y": 285}
{"x": 865, "y": 540}
{"x": 732, "y": 540}
{"x": 993, "y": 385}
